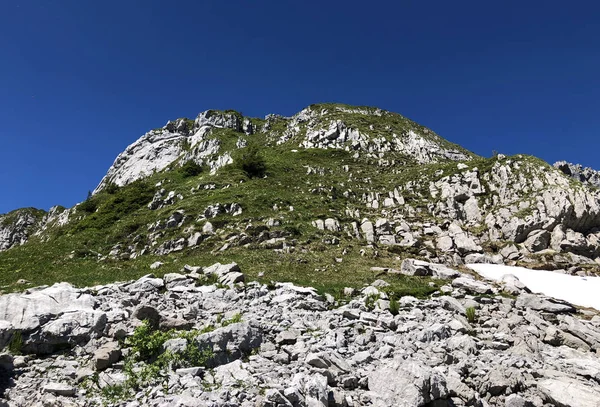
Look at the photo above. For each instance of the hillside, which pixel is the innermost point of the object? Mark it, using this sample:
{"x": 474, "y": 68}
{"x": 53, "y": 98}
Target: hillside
{"x": 344, "y": 256}
{"x": 318, "y": 198}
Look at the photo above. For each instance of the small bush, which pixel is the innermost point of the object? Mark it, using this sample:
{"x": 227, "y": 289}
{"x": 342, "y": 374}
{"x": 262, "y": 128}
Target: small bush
{"x": 16, "y": 343}
{"x": 148, "y": 360}
{"x": 190, "y": 169}
{"x": 394, "y": 306}
{"x": 89, "y": 205}
{"x": 252, "y": 162}
{"x": 114, "y": 207}
{"x": 111, "y": 188}
{"x": 471, "y": 316}
{"x": 116, "y": 392}
{"x": 146, "y": 342}
{"x": 370, "y": 301}
{"x": 233, "y": 320}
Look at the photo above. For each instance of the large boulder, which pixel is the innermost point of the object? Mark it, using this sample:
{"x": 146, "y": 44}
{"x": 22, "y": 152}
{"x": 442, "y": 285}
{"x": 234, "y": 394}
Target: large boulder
{"x": 567, "y": 392}
{"x": 471, "y": 285}
{"x": 407, "y": 384}
{"x": 413, "y": 267}
{"x": 6, "y": 332}
{"x": 231, "y": 342}
{"x": 52, "y": 318}
{"x": 69, "y": 329}
{"x": 27, "y": 312}
{"x": 227, "y": 274}
{"x": 537, "y": 240}
{"x": 537, "y": 303}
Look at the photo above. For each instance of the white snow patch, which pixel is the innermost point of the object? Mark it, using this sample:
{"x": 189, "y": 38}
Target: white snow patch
{"x": 582, "y": 291}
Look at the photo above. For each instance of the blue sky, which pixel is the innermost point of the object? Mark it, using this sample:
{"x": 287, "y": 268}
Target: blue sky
{"x": 81, "y": 80}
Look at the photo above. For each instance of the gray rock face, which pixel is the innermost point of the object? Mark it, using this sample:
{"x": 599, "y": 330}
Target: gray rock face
{"x": 17, "y": 226}
{"x": 407, "y": 384}
{"x": 576, "y": 171}
{"x": 540, "y": 304}
{"x": 566, "y": 392}
{"x": 231, "y": 342}
{"x": 159, "y": 148}
{"x": 322, "y": 132}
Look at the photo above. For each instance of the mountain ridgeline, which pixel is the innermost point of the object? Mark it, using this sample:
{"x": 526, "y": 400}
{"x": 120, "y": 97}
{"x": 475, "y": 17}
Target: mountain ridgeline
{"x": 318, "y": 198}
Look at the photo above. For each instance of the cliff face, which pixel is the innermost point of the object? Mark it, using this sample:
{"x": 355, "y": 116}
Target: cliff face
{"x": 577, "y": 171}
{"x": 15, "y": 227}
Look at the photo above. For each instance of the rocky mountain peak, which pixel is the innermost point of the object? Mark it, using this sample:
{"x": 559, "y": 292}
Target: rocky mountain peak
{"x": 372, "y": 131}
{"x": 576, "y": 171}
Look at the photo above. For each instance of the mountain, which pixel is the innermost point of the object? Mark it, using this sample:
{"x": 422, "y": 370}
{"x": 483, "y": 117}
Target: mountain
{"x": 332, "y": 187}
{"x": 344, "y": 256}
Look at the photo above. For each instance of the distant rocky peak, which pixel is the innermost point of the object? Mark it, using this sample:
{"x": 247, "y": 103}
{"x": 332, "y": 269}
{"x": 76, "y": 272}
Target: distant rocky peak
{"x": 228, "y": 119}
{"x": 577, "y": 171}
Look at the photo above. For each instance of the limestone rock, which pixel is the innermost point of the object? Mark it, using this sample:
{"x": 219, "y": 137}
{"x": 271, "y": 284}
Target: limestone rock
{"x": 407, "y": 384}
{"x": 539, "y": 304}
{"x": 472, "y": 285}
{"x": 106, "y": 356}
{"x": 567, "y": 392}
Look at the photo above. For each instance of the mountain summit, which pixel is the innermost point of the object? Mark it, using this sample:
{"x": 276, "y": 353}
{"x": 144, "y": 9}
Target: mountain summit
{"x": 207, "y": 139}
{"x": 330, "y": 186}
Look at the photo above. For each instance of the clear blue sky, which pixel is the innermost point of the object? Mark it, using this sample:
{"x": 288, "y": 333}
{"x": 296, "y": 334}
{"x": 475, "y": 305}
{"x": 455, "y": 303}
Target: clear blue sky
{"x": 81, "y": 80}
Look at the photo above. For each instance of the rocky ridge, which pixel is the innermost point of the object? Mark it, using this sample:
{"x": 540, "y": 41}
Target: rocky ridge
{"x": 586, "y": 175}
{"x": 285, "y": 345}
{"x": 314, "y": 127}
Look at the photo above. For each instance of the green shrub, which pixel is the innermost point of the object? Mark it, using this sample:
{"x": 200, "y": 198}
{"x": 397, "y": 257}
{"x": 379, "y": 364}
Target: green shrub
{"x": 147, "y": 349}
{"x": 116, "y": 392}
{"x": 111, "y": 208}
{"x": 16, "y": 343}
{"x": 471, "y": 316}
{"x": 89, "y": 205}
{"x": 190, "y": 169}
{"x": 394, "y": 306}
{"x": 252, "y": 162}
{"x": 233, "y": 320}
{"x": 371, "y": 300}
{"x": 147, "y": 343}
{"x": 111, "y": 188}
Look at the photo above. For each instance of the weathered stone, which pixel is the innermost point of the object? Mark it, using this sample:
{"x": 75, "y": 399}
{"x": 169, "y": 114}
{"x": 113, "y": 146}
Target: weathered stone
{"x": 407, "y": 384}
{"x": 60, "y": 389}
{"x": 566, "y": 392}
{"x": 472, "y": 285}
{"x": 230, "y": 342}
{"x": 105, "y": 356}
{"x": 287, "y": 337}
{"x": 147, "y": 313}
{"x": 539, "y": 304}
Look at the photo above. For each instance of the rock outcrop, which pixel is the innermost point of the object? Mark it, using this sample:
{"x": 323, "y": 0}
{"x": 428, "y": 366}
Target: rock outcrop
{"x": 181, "y": 139}
{"x": 17, "y": 226}
{"x": 578, "y": 172}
